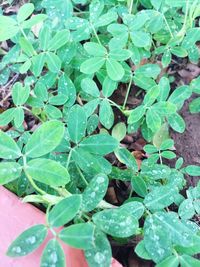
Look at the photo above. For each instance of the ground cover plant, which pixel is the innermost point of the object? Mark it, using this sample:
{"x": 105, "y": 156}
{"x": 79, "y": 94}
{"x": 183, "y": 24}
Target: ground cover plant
{"x": 78, "y": 79}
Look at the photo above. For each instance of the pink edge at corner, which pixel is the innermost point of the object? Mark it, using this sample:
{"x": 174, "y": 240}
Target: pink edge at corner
{"x": 15, "y": 217}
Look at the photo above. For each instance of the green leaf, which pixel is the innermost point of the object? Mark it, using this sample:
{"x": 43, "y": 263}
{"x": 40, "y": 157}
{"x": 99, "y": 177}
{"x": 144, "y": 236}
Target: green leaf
{"x": 180, "y": 95}
{"x": 8, "y": 148}
{"x": 38, "y": 62}
{"x": 195, "y": 85}
{"x": 164, "y": 89}
{"x": 8, "y": 28}
{"x": 20, "y": 94}
{"x": 153, "y": 120}
{"x": 160, "y": 197}
{"x": 119, "y": 131}
{"x": 101, "y": 144}
{"x": 108, "y": 87}
{"x": 161, "y": 135}
{"x": 92, "y": 65}
{"x": 156, "y": 172}
{"x": 141, "y": 251}
{"x": 27, "y": 46}
{"x": 64, "y": 211}
{"x": 92, "y": 123}
{"x": 24, "y": 12}
{"x": 53, "y": 254}
{"x": 140, "y": 38}
{"x": 18, "y": 117}
{"x": 94, "y": 192}
{"x": 59, "y": 39}
{"x": 139, "y": 186}
{"x": 171, "y": 261}
{"x": 34, "y": 20}
{"x": 166, "y": 58}
{"x": 67, "y": 88}
{"x": 9, "y": 171}
{"x": 167, "y": 144}
{"x": 95, "y": 49}
{"x": 179, "y": 51}
{"x": 136, "y": 114}
{"x": 7, "y": 116}
{"x": 53, "y": 62}
{"x": 106, "y": 19}
{"x": 91, "y": 163}
{"x": 100, "y": 254}
{"x": 125, "y": 157}
{"x": 77, "y": 123}
{"x": 106, "y": 115}
{"x": 45, "y": 139}
{"x": 28, "y": 241}
{"x": 194, "y": 106}
{"x": 186, "y": 209}
{"x": 156, "y": 4}
{"x": 156, "y": 239}
{"x": 116, "y": 222}
{"x": 151, "y": 96}
{"x": 44, "y": 37}
{"x": 120, "y": 54}
{"x": 193, "y": 170}
{"x": 48, "y": 172}
{"x": 78, "y": 235}
{"x": 177, "y": 122}
{"x": 188, "y": 261}
{"x": 114, "y": 69}
{"x": 90, "y": 87}
{"x": 149, "y": 70}
{"x": 168, "y": 155}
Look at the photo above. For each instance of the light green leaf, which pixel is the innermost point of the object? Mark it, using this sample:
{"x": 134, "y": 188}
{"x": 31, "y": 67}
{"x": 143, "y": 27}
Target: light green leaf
{"x": 77, "y": 123}
{"x": 108, "y": 87}
{"x": 171, "y": 261}
{"x": 92, "y": 123}
{"x": 153, "y": 120}
{"x": 24, "y": 12}
{"x": 188, "y": 261}
{"x": 8, "y": 148}
{"x": 193, "y": 170}
{"x": 38, "y": 62}
{"x": 195, "y": 105}
{"x": 20, "y": 94}
{"x": 28, "y": 241}
{"x": 95, "y": 49}
{"x": 151, "y": 96}
{"x": 18, "y": 117}
{"x": 90, "y": 87}
{"x": 186, "y": 210}
{"x": 8, "y": 28}
{"x": 125, "y": 157}
{"x": 101, "y": 144}
{"x": 136, "y": 114}
{"x": 180, "y": 95}
{"x": 92, "y": 65}
{"x": 9, "y": 171}
{"x": 100, "y": 254}
{"x": 120, "y": 54}
{"x": 116, "y": 222}
{"x": 94, "y": 192}
{"x": 27, "y": 47}
{"x": 156, "y": 172}
{"x": 179, "y": 51}
{"x": 53, "y": 62}
{"x": 119, "y": 131}
{"x": 7, "y": 116}
{"x": 59, "y": 39}
{"x": 45, "y": 139}
{"x": 34, "y": 20}
{"x": 48, "y": 172}
{"x": 141, "y": 251}
{"x": 64, "y": 211}
{"x": 140, "y": 38}
{"x": 160, "y": 197}
{"x": 44, "y": 37}
{"x": 53, "y": 255}
{"x": 149, "y": 70}
{"x": 177, "y": 122}
{"x": 78, "y": 235}
{"x": 139, "y": 186}
{"x": 114, "y": 69}
{"x": 166, "y": 58}
{"x": 106, "y": 115}
{"x": 164, "y": 89}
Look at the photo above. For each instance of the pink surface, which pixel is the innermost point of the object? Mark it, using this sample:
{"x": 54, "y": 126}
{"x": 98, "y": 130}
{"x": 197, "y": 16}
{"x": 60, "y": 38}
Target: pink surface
{"x": 15, "y": 217}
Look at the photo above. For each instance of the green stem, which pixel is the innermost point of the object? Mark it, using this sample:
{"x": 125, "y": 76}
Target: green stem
{"x": 168, "y": 27}
{"x": 82, "y": 176}
{"x": 27, "y": 109}
{"x": 69, "y": 157}
{"x": 95, "y": 33}
{"x": 127, "y": 93}
{"x": 39, "y": 190}
{"x": 130, "y": 6}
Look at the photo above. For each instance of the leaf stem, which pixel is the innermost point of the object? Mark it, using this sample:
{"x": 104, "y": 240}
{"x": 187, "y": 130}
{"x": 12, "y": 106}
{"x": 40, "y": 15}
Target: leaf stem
{"x": 82, "y": 176}
{"x": 130, "y": 6}
{"x": 127, "y": 93}
{"x": 168, "y": 27}
{"x": 95, "y": 33}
